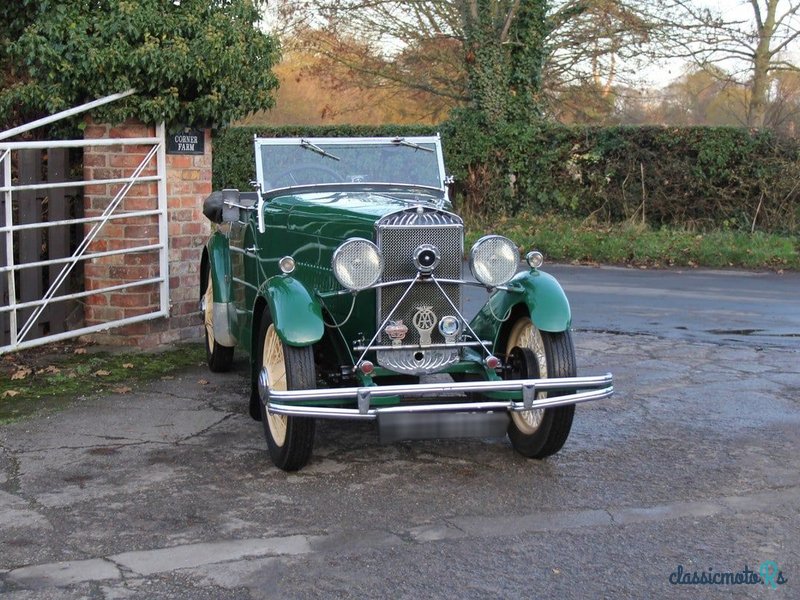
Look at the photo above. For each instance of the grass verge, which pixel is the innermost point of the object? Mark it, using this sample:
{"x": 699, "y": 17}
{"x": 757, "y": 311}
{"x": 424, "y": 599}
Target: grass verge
{"x": 563, "y": 239}
{"x": 49, "y": 377}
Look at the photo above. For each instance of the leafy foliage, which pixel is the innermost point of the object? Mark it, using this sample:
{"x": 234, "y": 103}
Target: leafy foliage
{"x": 196, "y": 62}
{"x": 698, "y": 178}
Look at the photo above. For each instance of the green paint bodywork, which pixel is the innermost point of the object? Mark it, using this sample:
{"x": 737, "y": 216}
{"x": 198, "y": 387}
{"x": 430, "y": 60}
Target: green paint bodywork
{"x": 219, "y": 263}
{"x": 297, "y": 316}
{"x": 310, "y": 228}
{"x": 544, "y": 298}
{"x": 308, "y": 222}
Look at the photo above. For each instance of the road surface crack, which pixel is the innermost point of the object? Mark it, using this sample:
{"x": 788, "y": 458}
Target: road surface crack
{"x": 206, "y": 429}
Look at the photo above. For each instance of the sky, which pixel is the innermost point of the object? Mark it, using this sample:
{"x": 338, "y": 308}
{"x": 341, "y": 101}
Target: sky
{"x": 661, "y": 74}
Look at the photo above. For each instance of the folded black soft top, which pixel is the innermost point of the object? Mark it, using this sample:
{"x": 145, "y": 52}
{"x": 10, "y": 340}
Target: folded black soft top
{"x": 212, "y": 207}
{"x": 214, "y": 204}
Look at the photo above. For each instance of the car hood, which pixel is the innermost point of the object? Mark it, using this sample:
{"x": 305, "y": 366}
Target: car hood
{"x": 344, "y": 213}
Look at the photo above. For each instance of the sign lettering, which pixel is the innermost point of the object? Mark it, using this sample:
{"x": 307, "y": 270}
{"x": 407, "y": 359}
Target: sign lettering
{"x": 186, "y": 141}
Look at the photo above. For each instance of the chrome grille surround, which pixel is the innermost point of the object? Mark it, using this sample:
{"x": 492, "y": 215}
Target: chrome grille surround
{"x": 399, "y": 234}
{"x": 417, "y": 362}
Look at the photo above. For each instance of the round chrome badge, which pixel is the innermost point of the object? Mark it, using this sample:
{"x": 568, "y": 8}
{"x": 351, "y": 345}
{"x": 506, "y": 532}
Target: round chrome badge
{"x": 450, "y": 327}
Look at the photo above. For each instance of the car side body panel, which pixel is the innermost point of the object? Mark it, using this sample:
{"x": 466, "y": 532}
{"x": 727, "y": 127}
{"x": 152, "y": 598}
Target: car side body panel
{"x": 542, "y": 295}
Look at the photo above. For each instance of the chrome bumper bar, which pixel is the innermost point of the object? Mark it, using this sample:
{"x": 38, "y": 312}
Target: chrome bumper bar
{"x": 583, "y": 389}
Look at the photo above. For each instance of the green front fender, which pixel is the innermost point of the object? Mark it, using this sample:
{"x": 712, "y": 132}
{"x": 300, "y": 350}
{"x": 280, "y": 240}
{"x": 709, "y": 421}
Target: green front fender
{"x": 297, "y": 316}
{"x": 543, "y": 296}
{"x": 219, "y": 259}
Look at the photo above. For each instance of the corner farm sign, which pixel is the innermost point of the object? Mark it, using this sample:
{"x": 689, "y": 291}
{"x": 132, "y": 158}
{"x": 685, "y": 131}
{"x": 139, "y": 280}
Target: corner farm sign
{"x": 186, "y": 141}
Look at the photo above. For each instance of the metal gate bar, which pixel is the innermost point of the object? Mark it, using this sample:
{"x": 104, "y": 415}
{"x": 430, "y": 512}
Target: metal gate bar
{"x": 57, "y": 277}
{"x": 5, "y": 159}
{"x": 18, "y": 334}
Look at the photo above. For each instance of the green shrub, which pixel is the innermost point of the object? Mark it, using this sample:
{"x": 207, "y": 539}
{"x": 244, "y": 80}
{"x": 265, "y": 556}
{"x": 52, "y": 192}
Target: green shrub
{"x": 699, "y": 178}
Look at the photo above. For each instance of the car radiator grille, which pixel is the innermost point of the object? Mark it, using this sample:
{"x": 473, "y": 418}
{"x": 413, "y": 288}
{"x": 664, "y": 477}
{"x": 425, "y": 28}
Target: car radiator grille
{"x": 399, "y": 234}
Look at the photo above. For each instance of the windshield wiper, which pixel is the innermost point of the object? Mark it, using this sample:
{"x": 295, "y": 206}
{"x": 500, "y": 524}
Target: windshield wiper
{"x": 314, "y": 148}
{"x": 403, "y": 142}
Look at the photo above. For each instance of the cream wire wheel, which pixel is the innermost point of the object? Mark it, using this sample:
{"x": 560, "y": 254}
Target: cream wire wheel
{"x": 525, "y": 335}
{"x": 535, "y": 354}
{"x": 290, "y": 440}
{"x": 219, "y": 357}
{"x": 208, "y": 315}
{"x": 272, "y": 361}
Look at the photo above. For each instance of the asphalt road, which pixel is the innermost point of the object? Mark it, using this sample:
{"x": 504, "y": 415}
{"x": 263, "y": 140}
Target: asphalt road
{"x": 759, "y": 309}
{"x": 756, "y": 308}
{"x": 167, "y": 492}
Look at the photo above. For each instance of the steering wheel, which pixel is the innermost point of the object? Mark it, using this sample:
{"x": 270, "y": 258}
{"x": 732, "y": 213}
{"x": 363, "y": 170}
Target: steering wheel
{"x": 294, "y": 176}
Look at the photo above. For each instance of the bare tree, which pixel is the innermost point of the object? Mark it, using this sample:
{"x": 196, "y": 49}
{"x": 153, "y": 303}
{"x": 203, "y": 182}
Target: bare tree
{"x": 429, "y": 45}
{"x": 751, "y": 40}
{"x": 600, "y": 43}
{"x": 703, "y": 97}
{"x": 783, "y": 112}
{"x": 381, "y": 42}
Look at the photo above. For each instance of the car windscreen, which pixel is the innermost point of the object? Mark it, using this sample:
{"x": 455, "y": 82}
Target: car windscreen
{"x": 302, "y": 163}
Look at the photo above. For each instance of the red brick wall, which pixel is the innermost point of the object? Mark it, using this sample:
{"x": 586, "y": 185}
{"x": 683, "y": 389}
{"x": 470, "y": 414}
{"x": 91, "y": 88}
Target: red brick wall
{"x": 188, "y": 183}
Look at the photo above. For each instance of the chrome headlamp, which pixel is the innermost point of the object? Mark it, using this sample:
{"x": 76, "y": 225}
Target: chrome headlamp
{"x": 493, "y": 260}
{"x": 357, "y": 264}
{"x": 535, "y": 259}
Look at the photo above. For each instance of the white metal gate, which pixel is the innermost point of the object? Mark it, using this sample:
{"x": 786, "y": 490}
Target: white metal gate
{"x": 23, "y": 316}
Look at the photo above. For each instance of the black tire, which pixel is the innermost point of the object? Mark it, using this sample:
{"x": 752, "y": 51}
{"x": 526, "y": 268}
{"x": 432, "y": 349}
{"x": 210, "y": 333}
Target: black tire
{"x": 255, "y": 398}
{"x": 290, "y": 440}
{"x": 542, "y": 433}
{"x": 218, "y": 357}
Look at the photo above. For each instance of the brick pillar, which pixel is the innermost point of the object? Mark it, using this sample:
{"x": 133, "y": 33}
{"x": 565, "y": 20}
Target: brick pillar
{"x": 188, "y": 183}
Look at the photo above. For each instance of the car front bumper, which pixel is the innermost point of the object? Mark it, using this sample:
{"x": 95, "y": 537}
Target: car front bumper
{"x": 296, "y": 402}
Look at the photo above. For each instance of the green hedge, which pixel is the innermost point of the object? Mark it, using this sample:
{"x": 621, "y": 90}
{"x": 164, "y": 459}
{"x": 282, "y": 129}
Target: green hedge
{"x": 697, "y": 177}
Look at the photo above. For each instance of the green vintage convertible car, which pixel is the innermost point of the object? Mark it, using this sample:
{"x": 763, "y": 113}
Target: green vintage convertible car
{"x": 342, "y": 277}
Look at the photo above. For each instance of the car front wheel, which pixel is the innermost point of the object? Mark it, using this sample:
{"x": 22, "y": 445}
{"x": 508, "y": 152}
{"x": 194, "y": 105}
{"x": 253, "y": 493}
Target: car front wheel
{"x": 290, "y": 439}
{"x": 530, "y": 354}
